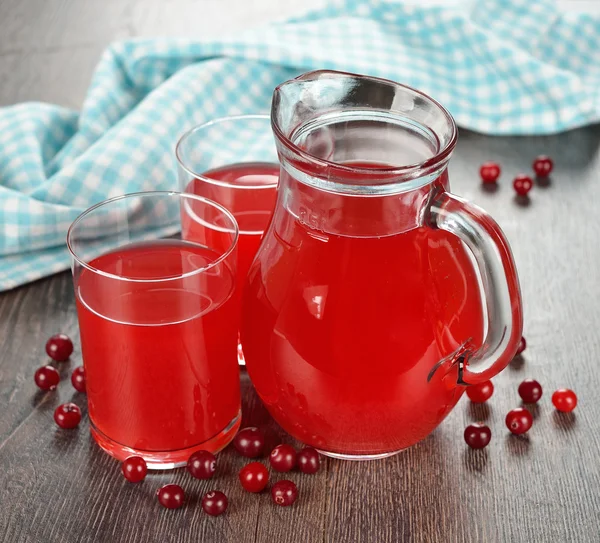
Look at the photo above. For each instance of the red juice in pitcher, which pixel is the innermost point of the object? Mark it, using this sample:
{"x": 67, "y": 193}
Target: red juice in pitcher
{"x": 341, "y": 332}
{"x": 160, "y": 356}
{"x": 249, "y": 191}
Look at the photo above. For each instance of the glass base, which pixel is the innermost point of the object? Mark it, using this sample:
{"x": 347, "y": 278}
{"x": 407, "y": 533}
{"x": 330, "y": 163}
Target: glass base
{"x": 359, "y": 457}
{"x": 167, "y": 459}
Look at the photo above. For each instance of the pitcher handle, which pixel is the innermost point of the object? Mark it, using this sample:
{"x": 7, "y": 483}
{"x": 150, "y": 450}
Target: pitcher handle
{"x": 499, "y": 284}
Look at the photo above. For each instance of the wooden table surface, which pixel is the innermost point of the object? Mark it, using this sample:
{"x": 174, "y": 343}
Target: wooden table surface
{"x": 57, "y": 486}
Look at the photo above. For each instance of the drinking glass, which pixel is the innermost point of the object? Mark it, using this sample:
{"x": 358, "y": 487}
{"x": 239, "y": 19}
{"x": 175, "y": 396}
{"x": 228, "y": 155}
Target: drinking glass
{"x": 158, "y": 322}
{"x": 233, "y": 161}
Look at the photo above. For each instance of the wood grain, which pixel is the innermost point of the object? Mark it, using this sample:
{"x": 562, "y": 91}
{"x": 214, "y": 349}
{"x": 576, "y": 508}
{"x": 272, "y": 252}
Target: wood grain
{"x": 57, "y": 486}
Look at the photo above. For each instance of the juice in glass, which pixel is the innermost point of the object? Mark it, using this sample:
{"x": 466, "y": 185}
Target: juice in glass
{"x": 158, "y": 324}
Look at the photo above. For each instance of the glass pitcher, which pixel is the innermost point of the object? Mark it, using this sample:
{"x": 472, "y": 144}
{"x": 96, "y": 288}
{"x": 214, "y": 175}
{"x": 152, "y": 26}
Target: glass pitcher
{"x": 376, "y": 296}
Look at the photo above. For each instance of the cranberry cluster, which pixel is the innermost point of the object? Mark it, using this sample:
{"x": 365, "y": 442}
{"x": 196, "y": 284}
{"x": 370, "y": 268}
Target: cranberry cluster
{"x": 250, "y": 442}
{"x": 59, "y": 348}
{"x": 254, "y": 477}
{"x": 518, "y": 420}
{"x": 522, "y": 183}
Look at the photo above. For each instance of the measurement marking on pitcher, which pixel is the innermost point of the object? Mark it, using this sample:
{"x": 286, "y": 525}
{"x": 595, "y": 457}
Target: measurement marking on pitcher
{"x": 312, "y": 220}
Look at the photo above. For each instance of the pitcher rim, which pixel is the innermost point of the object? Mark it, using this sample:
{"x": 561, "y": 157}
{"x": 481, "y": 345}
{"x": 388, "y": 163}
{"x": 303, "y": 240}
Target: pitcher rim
{"x": 438, "y": 158}
{"x": 78, "y": 258}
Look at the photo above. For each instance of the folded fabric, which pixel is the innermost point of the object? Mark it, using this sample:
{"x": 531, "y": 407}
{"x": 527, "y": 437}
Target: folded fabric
{"x": 504, "y": 67}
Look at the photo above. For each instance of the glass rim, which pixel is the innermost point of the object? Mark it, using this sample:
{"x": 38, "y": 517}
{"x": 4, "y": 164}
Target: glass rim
{"x": 200, "y": 127}
{"x": 442, "y": 154}
{"x": 180, "y": 195}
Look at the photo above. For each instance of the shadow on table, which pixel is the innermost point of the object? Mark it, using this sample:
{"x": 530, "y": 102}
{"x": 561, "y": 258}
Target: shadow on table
{"x": 564, "y": 422}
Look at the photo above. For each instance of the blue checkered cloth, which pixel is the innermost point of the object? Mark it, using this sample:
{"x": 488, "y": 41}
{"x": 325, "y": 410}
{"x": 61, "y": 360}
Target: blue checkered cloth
{"x": 501, "y": 67}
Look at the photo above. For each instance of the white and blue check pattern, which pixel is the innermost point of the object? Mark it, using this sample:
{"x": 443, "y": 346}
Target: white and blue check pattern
{"x": 505, "y": 67}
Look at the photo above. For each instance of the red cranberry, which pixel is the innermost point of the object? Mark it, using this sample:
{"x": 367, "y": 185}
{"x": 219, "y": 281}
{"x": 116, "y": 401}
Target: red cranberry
{"x": 59, "y": 347}
{"x": 67, "y": 415}
{"x": 284, "y": 493}
{"x": 519, "y": 420}
{"x": 249, "y": 442}
{"x": 254, "y": 477}
{"x": 480, "y": 393}
{"x": 283, "y": 458}
{"x": 477, "y": 435}
{"x": 530, "y": 391}
{"x": 308, "y": 460}
{"x": 522, "y": 346}
{"x": 522, "y": 184}
{"x": 78, "y": 379}
{"x": 47, "y": 378}
{"x": 214, "y": 503}
{"x": 134, "y": 469}
{"x": 489, "y": 172}
{"x": 564, "y": 400}
{"x": 542, "y": 166}
{"x": 202, "y": 465}
{"x": 170, "y": 496}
